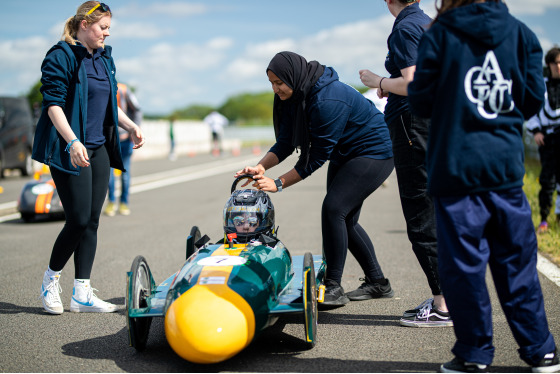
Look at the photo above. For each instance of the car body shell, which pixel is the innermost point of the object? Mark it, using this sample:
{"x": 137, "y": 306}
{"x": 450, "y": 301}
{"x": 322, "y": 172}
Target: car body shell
{"x": 224, "y": 295}
{"x": 39, "y": 197}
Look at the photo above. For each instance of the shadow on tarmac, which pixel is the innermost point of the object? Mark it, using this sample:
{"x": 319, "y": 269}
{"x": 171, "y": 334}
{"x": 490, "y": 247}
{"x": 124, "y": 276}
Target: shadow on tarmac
{"x": 272, "y": 351}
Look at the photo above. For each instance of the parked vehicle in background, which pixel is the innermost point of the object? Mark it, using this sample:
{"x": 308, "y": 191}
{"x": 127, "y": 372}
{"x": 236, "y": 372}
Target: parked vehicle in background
{"x": 16, "y": 135}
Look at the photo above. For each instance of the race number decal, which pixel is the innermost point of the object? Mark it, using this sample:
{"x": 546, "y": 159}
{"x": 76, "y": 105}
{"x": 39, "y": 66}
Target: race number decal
{"x": 222, "y": 261}
{"x": 212, "y": 280}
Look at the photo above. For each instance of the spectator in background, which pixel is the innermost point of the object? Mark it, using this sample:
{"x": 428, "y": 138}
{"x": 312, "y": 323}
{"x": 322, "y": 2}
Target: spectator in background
{"x": 216, "y": 122}
{"x": 491, "y": 63}
{"x": 129, "y": 104}
{"x": 172, "y": 155}
{"x": 545, "y": 127}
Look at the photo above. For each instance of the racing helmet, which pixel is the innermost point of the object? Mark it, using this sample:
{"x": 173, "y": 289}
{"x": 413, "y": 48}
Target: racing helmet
{"x": 248, "y": 213}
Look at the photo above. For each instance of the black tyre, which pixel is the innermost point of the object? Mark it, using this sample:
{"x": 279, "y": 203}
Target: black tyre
{"x": 28, "y": 217}
{"x": 27, "y": 169}
{"x": 194, "y": 236}
{"x": 138, "y": 292}
{"x": 195, "y": 233}
{"x": 309, "y": 300}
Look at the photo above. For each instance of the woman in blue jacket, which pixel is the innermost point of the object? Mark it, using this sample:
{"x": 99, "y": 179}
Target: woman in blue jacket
{"x": 329, "y": 120}
{"x": 77, "y": 138}
{"x": 479, "y": 77}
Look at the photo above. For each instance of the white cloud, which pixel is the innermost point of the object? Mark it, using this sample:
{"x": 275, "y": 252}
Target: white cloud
{"x": 169, "y": 76}
{"x": 140, "y": 30}
{"x": 534, "y": 7}
{"x": 220, "y": 43}
{"x": 255, "y": 58}
{"x": 347, "y": 48}
{"x": 23, "y": 57}
{"x": 176, "y": 9}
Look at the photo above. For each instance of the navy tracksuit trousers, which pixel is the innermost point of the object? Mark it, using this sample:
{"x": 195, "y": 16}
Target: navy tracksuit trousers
{"x": 491, "y": 228}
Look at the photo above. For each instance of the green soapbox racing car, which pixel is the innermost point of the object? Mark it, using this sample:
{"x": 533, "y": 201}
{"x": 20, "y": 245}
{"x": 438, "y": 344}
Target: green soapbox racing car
{"x": 224, "y": 295}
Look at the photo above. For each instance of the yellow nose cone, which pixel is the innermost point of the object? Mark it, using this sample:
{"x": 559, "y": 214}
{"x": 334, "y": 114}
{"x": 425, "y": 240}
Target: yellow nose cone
{"x": 209, "y": 323}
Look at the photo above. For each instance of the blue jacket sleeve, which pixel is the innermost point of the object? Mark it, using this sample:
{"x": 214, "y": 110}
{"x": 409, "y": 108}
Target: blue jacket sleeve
{"x": 283, "y": 147}
{"x": 328, "y": 119}
{"x": 423, "y": 87}
{"x": 55, "y": 79}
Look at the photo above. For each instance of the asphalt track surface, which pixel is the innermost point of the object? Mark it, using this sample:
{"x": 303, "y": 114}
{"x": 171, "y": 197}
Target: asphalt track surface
{"x": 167, "y": 200}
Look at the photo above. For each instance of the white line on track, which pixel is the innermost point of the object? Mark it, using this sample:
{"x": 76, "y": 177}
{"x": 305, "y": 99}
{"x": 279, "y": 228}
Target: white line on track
{"x": 188, "y": 174}
{"x": 191, "y": 173}
{"x": 548, "y": 269}
{"x": 175, "y": 176}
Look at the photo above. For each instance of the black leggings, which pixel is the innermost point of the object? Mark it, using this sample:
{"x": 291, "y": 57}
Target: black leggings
{"x": 82, "y": 197}
{"x": 348, "y": 185}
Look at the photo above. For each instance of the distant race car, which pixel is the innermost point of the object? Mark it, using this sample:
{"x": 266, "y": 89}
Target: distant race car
{"x": 39, "y": 197}
{"x": 226, "y": 293}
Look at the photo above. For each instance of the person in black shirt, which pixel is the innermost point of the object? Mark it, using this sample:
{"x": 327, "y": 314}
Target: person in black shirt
{"x": 409, "y": 135}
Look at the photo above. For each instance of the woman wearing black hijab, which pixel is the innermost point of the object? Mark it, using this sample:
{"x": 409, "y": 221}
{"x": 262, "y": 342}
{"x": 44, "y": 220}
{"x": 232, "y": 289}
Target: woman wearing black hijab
{"x": 329, "y": 120}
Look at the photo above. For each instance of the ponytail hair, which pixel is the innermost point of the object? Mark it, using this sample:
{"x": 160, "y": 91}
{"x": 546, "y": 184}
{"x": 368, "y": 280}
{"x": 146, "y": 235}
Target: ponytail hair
{"x": 446, "y": 5}
{"x": 72, "y": 24}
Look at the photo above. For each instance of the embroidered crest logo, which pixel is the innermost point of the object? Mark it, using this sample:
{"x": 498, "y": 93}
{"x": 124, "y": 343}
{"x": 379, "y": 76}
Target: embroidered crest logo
{"x": 486, "y": 87}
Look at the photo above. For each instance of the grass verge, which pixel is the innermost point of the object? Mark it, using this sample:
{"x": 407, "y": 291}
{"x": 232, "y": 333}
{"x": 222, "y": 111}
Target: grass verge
{"x": 549, "y": 243}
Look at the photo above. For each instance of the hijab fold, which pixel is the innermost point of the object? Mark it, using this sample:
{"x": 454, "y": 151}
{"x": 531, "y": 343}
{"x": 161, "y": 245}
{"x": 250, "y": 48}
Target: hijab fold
{"x": 300, "y": 76}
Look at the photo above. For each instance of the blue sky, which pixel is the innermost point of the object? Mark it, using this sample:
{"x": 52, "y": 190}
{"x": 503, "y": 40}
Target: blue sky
{"x": 177, "y": 53}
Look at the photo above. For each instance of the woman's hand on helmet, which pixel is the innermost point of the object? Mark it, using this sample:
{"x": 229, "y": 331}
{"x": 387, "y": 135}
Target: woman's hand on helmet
{"x": 265, "y": 184}
{"x": 253, "y": 170}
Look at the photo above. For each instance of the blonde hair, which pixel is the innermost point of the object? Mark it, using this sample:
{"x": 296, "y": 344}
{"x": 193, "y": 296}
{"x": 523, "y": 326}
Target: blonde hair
{"x": 72, "y": 24}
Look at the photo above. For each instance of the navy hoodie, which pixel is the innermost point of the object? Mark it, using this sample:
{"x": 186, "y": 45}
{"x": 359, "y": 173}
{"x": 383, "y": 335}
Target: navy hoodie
{"x": 343, "y": 124}
{"x": 478, "y": 76}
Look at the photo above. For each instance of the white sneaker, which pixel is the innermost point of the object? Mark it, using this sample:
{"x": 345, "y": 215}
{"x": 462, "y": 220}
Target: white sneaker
{"x": 50, "y": 294}
{"x": 85, "y": 301}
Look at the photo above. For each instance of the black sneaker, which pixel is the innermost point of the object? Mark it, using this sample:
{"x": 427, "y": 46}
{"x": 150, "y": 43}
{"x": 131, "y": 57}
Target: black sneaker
{"x": 549, "y": 364}
{"x": 334, "y": 294}
{"x": 414, "y": 312}
{"x": 458, "y": 365}
{"x": 428, "y": 316}
{"x": 370, "y": 290}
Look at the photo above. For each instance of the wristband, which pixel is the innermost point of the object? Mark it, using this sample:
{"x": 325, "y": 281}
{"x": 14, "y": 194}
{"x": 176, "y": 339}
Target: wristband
{"x": 380, "y": 84}
{"x": 69, "y": 146}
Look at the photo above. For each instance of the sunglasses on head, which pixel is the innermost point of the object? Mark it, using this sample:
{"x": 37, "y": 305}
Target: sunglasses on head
{"x": 241, "y": 220}
{"x": 104, "y": 7}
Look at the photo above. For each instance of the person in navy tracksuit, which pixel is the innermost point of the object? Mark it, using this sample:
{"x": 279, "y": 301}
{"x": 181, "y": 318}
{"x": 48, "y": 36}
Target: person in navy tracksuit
{"x": 329, "y": 120}
{"x": 479, "y": 76}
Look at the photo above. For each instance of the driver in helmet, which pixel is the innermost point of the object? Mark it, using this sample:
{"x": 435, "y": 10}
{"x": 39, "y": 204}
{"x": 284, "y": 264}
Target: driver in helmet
{"x": 246, "y": 222}
{"x": 249, "y": 213}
